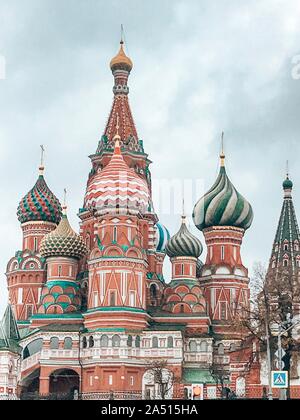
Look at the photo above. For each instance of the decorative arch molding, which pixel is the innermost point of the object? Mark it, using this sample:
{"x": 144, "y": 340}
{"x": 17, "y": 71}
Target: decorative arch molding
{"x": 174, "y": 298}
{"x": 134, "y": 253}
{"x": 95, "y": 254}
{"x": 31, "y": 260}
{"x": 113, "y": 251}
{"x": 13, "y": 265}
{"x": 240, "y": 271}
{"x": 223, "y": 269}
{"x": 183, "y": 308}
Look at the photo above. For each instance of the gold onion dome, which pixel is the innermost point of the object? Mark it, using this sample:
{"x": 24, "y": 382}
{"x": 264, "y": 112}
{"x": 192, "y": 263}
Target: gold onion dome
{"x": 63, "y": 242}
{"x": 121, "y": 61}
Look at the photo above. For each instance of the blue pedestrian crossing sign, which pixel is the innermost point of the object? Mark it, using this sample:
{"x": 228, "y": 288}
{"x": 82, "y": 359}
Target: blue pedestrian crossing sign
{"x": 279, "y": 379}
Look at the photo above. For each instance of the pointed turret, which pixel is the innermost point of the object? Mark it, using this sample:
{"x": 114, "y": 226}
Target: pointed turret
{"x": 40, "y": 204}
{"x": 286, "y": 246}
{"x": 120, "y": 123}
{"x": 9, "y": 333}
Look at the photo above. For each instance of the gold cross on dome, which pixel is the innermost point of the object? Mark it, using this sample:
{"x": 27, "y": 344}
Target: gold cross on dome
{"x": 42, "y": 154}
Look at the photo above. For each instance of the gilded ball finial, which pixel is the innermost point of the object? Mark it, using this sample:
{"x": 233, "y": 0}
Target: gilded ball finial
{"x": 222, "y": 154}
{"x": 121, "y": 61}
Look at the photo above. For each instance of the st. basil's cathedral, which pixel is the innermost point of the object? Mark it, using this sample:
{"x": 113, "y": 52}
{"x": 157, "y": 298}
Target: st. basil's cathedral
{"x": 92, "y": 315}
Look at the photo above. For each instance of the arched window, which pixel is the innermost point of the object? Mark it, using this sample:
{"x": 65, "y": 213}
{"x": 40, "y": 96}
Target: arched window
{"x": 91, "y": 341}
{"x": 68, "y": 343}
{"x": 155, "y": 342}
{"x": 170, "y": 342}
{"x": 182, "y": 309}
{"x": 203, "y": 346}
{"x": 285, "y": 263}
{"x": 129, "y": 341}
{"x": 222, "y": 252}
{"x": 115, "y": 234}
{"x": 112, "y": 298}
{"x": 116, "y": 341}
{"x": 138, "y": 341}
{"x": 285, "y": 247}
{"x": 54, "y": 343}
{"x": 153, "y": 291}
{"x": 221, "y": 349}
{"x": 84, "y": 343}
{"x": 182, "y": 269}
{"x": 104, "y": 341}
{"x": 193, "y": 346}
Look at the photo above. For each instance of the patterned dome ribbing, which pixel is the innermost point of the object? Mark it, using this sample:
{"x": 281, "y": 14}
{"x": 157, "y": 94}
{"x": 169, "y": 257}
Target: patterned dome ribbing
{"x": 184, "y": 244}
{"x": 40, "y": 204}
{"x": 63, "y": 242}
{"x": 223, "y": 205}
{"x": 162, "y": 237}
{"x": 117, "y": 188}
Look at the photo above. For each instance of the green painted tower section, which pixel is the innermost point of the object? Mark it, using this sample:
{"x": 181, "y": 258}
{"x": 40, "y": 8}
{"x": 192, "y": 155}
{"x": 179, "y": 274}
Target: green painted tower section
{"x": 9, "y": 333}
{"x": 286, "y": 246}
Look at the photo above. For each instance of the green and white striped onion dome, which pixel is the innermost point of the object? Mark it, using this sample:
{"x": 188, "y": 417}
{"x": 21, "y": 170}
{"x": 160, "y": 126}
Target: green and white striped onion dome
{"x": 184, "y": 243}
{"x": 63, "y": 242}
{"x": 223, "y": 205}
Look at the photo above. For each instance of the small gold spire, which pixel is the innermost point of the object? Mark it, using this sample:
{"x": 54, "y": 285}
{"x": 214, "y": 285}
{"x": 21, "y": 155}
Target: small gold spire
{"x": 122, "y": 34}
{"x": 222, "y": 154}
{"x": 65, "y": 202}
{"x": 117, "y": 137}
{"x": 183, "y": 216}
{"x": 42, "y": 167}
{"x": 121, "y": 59}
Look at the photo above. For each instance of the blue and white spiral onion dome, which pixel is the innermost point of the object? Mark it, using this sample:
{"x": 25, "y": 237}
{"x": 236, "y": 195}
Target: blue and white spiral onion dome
{"x": 162, "y": 237}
{"x": 223, "y": 205}
{"x": 184, "y": 243}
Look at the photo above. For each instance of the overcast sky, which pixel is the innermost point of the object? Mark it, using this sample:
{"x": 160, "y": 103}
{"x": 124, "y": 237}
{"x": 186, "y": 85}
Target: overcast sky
{"x": 200, "y": 67}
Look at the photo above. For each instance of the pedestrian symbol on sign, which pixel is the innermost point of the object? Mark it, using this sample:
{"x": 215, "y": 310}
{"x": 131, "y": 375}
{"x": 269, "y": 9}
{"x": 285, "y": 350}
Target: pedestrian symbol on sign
{"x": 279, "y": 379}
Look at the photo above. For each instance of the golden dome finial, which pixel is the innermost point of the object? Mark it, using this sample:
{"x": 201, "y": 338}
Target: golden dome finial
{"x": 65, "y": 203}
{"x": 222, "y": 154}
{"x": 121, "y": 61}
{"x": 42, "y": 167}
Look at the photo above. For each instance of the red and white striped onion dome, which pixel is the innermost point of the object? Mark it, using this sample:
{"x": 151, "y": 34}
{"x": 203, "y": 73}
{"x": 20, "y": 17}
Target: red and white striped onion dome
{"x": 117, "y": 188}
